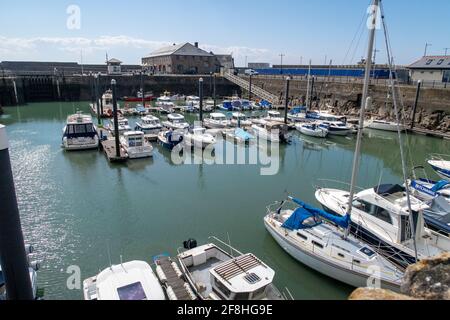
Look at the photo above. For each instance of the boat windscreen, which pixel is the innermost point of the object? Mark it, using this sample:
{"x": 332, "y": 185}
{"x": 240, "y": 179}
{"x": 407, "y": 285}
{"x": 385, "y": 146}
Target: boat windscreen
{"x": 388, "y": 189}
{"x": 132, "y": 291}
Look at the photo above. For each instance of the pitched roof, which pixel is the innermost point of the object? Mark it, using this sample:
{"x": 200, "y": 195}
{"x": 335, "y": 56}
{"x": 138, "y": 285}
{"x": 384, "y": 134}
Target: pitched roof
{"x": 184, "y": 49}
{"x": 114, "y": 61}
{"x": 432, "y": 62}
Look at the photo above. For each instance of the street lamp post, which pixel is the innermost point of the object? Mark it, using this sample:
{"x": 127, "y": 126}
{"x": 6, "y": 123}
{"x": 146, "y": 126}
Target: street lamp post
{"x": 281, "y": 64}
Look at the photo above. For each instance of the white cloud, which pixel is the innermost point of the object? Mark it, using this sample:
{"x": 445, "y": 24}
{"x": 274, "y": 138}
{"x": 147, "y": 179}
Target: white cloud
{"x": 128, "y": 49}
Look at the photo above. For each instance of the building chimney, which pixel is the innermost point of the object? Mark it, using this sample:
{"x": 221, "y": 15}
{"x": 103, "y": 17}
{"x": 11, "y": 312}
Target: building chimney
{"x": 196, "y": 44}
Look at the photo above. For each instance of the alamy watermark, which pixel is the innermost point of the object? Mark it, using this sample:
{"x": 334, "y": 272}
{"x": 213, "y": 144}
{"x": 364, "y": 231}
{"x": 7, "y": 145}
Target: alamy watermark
{"x": 73, "y": 21}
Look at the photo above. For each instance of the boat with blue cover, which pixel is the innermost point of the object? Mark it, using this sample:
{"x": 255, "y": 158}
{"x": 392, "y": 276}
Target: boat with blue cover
{"x": 441, "y": 165}
{"x": 171, "y": 138}
{"x": 226, "y": 106}
{"x": 297, "y": 114}
{"x": 316, "y": 239}
{"x": 239, "y": 135}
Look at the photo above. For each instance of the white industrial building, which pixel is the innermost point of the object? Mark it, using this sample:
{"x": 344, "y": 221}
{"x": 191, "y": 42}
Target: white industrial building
{"x": 431, "y": 69}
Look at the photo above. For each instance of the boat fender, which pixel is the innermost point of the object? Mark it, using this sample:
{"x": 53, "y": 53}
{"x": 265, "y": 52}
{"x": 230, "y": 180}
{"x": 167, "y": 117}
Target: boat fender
{"x": 189, "y": 291}
{"x": 190, "y": 244}
{"x": 177, "y": 270}
{"x": 161, "y": 275}
{"x": 171, "y": 294}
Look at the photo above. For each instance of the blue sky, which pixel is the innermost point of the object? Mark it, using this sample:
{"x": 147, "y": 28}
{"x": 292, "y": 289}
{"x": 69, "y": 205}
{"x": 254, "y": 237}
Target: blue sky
{"x": 258, "y": 29}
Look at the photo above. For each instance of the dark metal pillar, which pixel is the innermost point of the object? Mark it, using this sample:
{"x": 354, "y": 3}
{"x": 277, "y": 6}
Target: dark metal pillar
{"x": 97, "y": 104}
{"x": 116, "y": 118}
{"x": 214, "y": 91}
{"x": 200, "y": 94}
{"x": 13, "y": 257}
{"x": 286, "y": 102}
{"x": 416, "y": 102}
{"x": 250, "y": 89}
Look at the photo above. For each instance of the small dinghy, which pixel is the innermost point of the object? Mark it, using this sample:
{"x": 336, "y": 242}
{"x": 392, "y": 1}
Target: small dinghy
{"x": 313, "y": 130}
{"x": 239, "y": 136}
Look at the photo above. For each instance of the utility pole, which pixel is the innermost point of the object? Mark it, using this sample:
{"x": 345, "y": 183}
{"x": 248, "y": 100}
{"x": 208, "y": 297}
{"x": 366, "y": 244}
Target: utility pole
{"x": 97, "y": 104}
{"x": 446, "y": 50}
{"x": 281, "y": 65}
{"x": 13, "y": 256}
{"x": 426, "y": 48}
{"x": 250, "y": 88}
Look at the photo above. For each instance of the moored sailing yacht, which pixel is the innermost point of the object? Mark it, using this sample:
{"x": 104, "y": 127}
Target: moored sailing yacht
{"x": 80, "y": 133}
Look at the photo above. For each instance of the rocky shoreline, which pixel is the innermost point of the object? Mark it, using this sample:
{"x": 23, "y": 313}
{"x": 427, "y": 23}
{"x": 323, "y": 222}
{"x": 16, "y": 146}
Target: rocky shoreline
{"x": 428, "y": 279}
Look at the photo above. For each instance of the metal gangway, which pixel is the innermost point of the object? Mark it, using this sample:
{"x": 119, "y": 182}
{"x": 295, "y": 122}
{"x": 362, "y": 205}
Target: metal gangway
{"x": 257, "y": 91}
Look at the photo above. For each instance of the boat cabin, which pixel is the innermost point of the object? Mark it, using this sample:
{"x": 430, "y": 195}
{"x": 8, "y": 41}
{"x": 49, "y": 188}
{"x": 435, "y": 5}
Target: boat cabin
{"x": 134, "y": 138}
{"x": 80, "y": 125}
{"x": 150, "y": 120}
{"x": 273, "y": 114}
{"x": 218, "y": 117}
{"x": 238, "y": 116}
{"x": 175, "y": 118}
{"x": 215, "y": 275}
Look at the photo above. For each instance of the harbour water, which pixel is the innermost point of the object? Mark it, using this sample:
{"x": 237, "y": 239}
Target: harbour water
{"x": 79, "y": 210}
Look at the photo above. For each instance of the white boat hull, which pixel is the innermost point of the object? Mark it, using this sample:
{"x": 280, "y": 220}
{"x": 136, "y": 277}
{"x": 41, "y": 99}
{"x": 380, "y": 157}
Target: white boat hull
{"x": 347, "y": 276}
{"x": 318, "y": 133}
{"x": 139, "y": 152}
{"x": 388, "y": 126}
{"x": 67, "y": 145}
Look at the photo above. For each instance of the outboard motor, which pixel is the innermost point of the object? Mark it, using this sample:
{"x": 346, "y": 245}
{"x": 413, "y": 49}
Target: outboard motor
{"x": 190, "y": 244}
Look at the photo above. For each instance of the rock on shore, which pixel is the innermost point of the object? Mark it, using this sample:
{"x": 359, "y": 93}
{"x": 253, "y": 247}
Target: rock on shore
{"x": 428, "y": 279}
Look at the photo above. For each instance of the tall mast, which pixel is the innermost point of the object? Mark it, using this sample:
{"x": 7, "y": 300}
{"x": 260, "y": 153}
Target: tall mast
{"x": 307, "y": 87}
{"x": 364, "y": 100}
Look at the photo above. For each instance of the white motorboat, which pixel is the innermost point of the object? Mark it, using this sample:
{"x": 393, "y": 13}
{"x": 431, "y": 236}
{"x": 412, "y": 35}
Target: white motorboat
{"x": 274, "y": 116}
{"x": 165, "y": 104}
{"x": 123, "y": 126}
{"x": 304, "y": 233}
{"x": 337, "y": 125}
{"x": 106, "y": 104}
{"x": 240, "y": 120}
{"x": 216, "y": 121}
{"x": 313, "y": 130}
{"x": 297, "y": 114}
{"x": 239, "y": 135}
{"x": 440, "y": 164}
{"x": 135, "y": 145}
{"x": 149, "y": 125}
{"x": 176, "y": 121}
{"x": 198, "y": 138}
{"x": 380, "y": 216}
{"x": 271, "y": 131}
{"x": 171, "y": 138}
{"x": 134, "y": 280}
{"x": 193, "y": 99}
{"x": 79, "y": 133}
{"x": 214, "y": 273}
{"x": 384, "y": 125}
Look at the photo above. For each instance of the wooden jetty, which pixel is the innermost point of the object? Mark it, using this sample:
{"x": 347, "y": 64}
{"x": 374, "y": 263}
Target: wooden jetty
{"x": 174, "y": 280}
{"x": 430, "y": 133}
{"x": 108, "y": 145}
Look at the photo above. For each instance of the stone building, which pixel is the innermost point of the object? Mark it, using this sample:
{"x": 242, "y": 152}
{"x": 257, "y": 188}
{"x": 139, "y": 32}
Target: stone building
{"x": 114, "y": 66}
{"x": 183, "y": 58}
{"x": 431, "y": 69}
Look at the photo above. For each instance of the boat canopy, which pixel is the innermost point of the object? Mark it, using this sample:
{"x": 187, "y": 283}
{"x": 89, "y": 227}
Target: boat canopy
{"x": 243, "y": 134}
{"x": 300, "y": 215}
{"x": 297, "y": 110}
{"x": 388, "y": 189}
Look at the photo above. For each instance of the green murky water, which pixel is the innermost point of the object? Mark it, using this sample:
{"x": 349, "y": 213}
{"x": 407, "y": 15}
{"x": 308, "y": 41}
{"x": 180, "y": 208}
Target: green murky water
{"x": 75, "y": 207}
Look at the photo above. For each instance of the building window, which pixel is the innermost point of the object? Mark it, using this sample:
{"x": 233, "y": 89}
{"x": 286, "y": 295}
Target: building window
{"x": 440, "y": 62}
{"x": 429, "y": 61}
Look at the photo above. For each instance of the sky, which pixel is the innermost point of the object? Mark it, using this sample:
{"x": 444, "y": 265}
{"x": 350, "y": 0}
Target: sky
{"x": 251, "y": 30}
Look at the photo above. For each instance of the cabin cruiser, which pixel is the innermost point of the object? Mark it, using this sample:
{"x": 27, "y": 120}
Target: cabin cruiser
{"x": 208, "y": 107}
{"x": 149, "y": 125}
{"x": 171, "y": 138}
{"x": 175, "y": 121}
{"x": 193, "y": 99}
{"x": 165, "y": 104}
{"x": 198, "y": 137}
{"x": 134, "y": 280}
{"x": 316, "y": 239}
{"x": 123, "y": 126}
{"x": 239, "y": 120}
{"x": 380, "y": 216}
{"x": 271, "y": 131}
{"x": 441, "y": 165}
{"x": 436, "y": 194}
{"x": 135, "y": 145}
{"x": 274, "y": 116}
{"x": 107, "y": 105}
{"x": 239, "y": 135}
{"x": 313, "y": 129}
{"x": 337, "y": 125}
{"x": 216, "y": 121}
{"x": 384, "y": 125}
{"x": 297, "y": 114}
{"x": 79, "y": 133}
{"x": 215, "y": 273}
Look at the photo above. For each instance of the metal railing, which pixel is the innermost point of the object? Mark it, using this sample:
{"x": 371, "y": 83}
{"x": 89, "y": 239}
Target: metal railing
{"x": 244, "y": 84}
